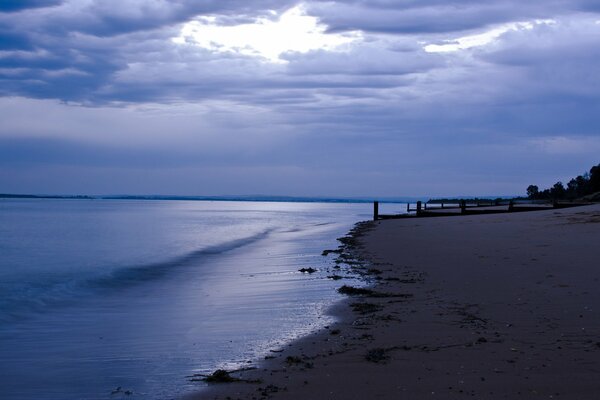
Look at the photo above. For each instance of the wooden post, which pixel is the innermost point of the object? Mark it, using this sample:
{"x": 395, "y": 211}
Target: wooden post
{"x": 463, "y": 206}
{"x": 511, "y": 205}
{"x": 442, "y": 206}
{"x": 408, "y": 207}
{"x": 375, "y": 210}
{"x": 419, "y": 204}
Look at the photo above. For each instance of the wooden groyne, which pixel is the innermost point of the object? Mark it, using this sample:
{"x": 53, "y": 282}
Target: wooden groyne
{"x": 471, "y": 207}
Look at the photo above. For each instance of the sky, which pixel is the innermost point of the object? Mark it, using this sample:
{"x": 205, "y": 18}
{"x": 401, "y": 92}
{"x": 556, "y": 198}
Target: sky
{"x": 316, "y": 98}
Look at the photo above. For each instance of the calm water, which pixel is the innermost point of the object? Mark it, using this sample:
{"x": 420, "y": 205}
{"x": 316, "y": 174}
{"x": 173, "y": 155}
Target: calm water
{"x": 100, "y": 294}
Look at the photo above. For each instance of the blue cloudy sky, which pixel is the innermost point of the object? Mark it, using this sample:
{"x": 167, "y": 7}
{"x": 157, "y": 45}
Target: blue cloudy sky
{"x": 332, "y": 98}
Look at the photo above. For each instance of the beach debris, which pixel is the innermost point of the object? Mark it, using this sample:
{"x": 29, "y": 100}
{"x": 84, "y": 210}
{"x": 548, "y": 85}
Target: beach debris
{"x": 377, "y": 355}
{"x": 347, "y": 240}
{"x": 219, "y": 376}
{"x": 354, "y": 291}
{"x": 335, "y": 332}
{"x": 222, "y": 376}
{"x": 297, "y": 361}
{"x": 309, "y": 270}
{"x": 292, "y": 360}
{"x": 327, "y": 252}
{"x": 335, "y": 277}
{"x": 120, "y": 390}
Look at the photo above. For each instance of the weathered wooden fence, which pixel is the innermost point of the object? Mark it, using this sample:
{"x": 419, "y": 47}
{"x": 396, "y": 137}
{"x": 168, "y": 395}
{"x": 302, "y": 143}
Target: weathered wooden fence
{"x": 462, "y": 207}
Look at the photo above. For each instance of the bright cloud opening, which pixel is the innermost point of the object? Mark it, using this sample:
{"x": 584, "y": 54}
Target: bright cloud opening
{"x": 292, "y": 31}
{"x": 481, "y": 39}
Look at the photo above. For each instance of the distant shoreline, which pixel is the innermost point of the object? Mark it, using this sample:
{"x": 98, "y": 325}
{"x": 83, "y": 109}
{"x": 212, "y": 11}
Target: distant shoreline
{"x": 257, "y": 198}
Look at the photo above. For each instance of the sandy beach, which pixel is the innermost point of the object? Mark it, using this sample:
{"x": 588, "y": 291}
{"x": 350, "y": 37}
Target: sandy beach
{"x": 485, "y": 306}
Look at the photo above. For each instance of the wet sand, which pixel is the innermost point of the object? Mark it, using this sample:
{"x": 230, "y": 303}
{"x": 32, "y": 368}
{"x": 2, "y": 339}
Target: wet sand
{"x": 503, "y": 306}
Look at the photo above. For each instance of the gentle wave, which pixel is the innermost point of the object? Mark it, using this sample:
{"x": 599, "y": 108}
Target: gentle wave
{"x": 17, "y": 301}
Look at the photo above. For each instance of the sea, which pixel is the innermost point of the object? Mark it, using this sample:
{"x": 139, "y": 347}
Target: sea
{"x": 111, "y": 299}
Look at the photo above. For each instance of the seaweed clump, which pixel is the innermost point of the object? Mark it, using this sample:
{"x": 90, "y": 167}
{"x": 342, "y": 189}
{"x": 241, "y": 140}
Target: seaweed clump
{"x": 220, "y": 376}
{"x": 291, "y": 360}
{"x": 354, "y": 291}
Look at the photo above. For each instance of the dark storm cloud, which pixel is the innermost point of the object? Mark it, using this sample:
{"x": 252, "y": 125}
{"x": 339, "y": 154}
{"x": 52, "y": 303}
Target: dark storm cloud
{"x": 18, "y": 5}
{"x": 71, "y": 51}
{"x": 434, "y": 16}
{"x": 570, "y": 42}
{"x": 113, "y": 17}
{"x": 102, "y": 51}
{"x": 13, "y": 40}
{"x": 555, "y": 65}
{"x": 411, "y": 19}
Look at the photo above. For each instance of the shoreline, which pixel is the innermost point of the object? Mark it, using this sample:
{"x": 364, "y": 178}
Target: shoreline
{"x": 487, "y": 306}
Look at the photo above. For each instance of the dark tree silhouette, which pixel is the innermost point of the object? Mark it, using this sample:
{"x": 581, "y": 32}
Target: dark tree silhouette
{"x": 580, "y": 186}
{"x": 595, "y": 179}
{"x": 533, "y": 191}
{"x": 558, "y": 191}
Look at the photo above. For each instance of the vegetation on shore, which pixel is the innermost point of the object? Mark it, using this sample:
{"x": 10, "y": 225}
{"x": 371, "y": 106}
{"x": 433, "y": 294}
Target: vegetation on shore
{"x": 457, "y": 200}
{"x": 582, "y": 185}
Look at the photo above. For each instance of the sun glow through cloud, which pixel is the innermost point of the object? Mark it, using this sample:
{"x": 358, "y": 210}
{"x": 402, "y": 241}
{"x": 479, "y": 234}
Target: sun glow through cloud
{"x": 481, "y": 39}
{"x": 291, "y": 31}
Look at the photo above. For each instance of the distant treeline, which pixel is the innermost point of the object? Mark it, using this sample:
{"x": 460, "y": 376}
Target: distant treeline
{"x": 457, "y": 200}
{"x": 580, "y": 186}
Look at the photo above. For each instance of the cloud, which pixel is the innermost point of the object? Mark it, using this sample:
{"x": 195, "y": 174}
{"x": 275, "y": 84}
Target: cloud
{"x": 97, "y": 40}
{"x": 434, "y": 17}
{"x": 110, "y": 89}
{"x": 95, "y": 53}
{"x": 18, "y": 5}
{"x": 290, "y": 31}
